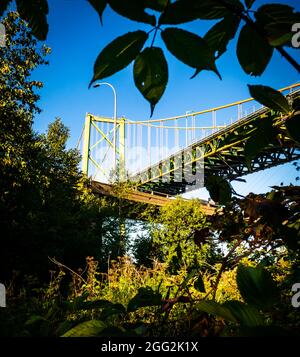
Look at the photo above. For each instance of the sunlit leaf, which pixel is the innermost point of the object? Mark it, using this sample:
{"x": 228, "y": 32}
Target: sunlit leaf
{"x": 99, "y": 6}
{"x": 190, "y": 49}
{"x": 118, "y": 54}
{"x": 151, "y": 74}
{"x": 34, "y": 12}
{"x": 133, "y": 10}
{"x": 270, "y": 98}
{"x": 253, "y": 51}
{"x": 221, "y": 33}
{"x": 219, "y": 189}
{"x": 90, "y": 328}
{"x": 257, "y": 286}
{"x": 293, "y": 125}
{"x": 145, "y": 297}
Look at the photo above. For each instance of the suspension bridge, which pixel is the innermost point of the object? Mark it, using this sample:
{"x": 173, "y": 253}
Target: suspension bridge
{"x": 170, "y": 156}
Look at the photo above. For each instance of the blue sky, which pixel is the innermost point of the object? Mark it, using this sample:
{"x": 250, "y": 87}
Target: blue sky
{"x": 76, "y": 38}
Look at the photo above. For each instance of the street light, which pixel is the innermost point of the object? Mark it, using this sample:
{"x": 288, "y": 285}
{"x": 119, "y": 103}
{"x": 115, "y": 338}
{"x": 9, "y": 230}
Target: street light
{"x": 115, "y": 122}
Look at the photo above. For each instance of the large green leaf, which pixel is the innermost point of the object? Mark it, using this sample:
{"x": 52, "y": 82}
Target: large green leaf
{"x": 158, "y": 5}
{"x": 99, "y": 6}
{"x": 265, "y": 331}
{"x": 151, "y": 74}
{"x": 277, "y": 20}
{"x": 221, "y": 33}
{"x": 133, "y": 10}
{"x": 263, "y": 136}
{"x": 34, "y": 12}
{"x": 183, "y": 11}
{"x": 3, "y": 6}
{"x": 217, "y": 309}
{"x": 246, "y": 315}
{"x": 293, "y": 125}
{"x": 118, "y": 54}
{"x": 218, "y": 188}
{"x": 190, "y": 49}
{"x": 257, "y": 286}
{"x": 90, "y": 328}
{"x": 270, "y": 98}
{"x": 253, "y": 51}
{"x": 145, "y": 297}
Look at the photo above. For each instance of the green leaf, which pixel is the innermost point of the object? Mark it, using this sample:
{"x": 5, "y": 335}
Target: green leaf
{"x": 253, "y": 51}
{"x": 296, "y": 104}
{"x": 99, "y": 6}
{"x": 199, "y": 285}
{"x": 34, "y": 12}
{"x": 191, "y": 274}
{"x": 174, "y": 265}
{"x": 263, "y": 136}
{"x": 217, "y": 309}
{"x": 270, "y": 98}
{"x": 90, "y": 328}
{"x": 277, "y": 20}
{"x": 219, "y": 189}
{"x": 114, "y": 309}
{"x": 190, "y": 49}
{"x": 249, "y": 3}
{"x": 245, "y": 314}
{"x": 183, "y": 11}
{"x": 133, "y": 10}
{"x": 3, "y": 6}
{"x": 257, "y": 286}
{"x": 96, "y": 304}
{"x": 145, "y": 297}
{"x": 293, "y": 124}
{"x": 265, "y": 331}
{"x": 118, "y": 54}
{"x": 221, "y": 33}
{"x": 151, "y": 74}
{"x": 158, "y": 5}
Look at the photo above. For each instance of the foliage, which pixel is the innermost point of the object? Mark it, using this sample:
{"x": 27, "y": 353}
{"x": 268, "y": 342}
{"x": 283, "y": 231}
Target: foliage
{"x": 45, "y": 207}
{"x": 264, "y": 29}
{"x": 227, "y": 274}
{"x": 174, "y": 233}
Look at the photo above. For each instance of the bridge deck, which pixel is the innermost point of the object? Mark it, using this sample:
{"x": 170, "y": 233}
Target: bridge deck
{"x": 105, "y": 189}
{"x": 222, "y": 153}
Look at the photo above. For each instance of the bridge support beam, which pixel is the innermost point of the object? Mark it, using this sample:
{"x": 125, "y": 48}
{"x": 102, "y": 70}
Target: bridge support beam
{"x": 86, "y": 145}
{"x": 122, "y": 173}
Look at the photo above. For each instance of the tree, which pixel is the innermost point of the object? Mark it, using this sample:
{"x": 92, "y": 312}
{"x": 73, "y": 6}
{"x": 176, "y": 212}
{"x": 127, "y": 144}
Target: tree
{"x": 45, "y": 207}
{"x": 175, "y": 232}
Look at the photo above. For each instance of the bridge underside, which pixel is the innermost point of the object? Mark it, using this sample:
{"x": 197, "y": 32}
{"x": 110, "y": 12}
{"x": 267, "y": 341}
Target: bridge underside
{"x": 130, "y": 195}
{"x": 220, "y": 154}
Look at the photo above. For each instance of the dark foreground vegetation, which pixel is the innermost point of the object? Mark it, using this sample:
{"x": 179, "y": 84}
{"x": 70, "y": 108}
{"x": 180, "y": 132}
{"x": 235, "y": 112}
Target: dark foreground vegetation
{"x": 77, "y": 265}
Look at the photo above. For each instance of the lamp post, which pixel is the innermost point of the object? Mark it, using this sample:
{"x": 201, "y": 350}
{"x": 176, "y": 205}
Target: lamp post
{"x": 115, "y": 122}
